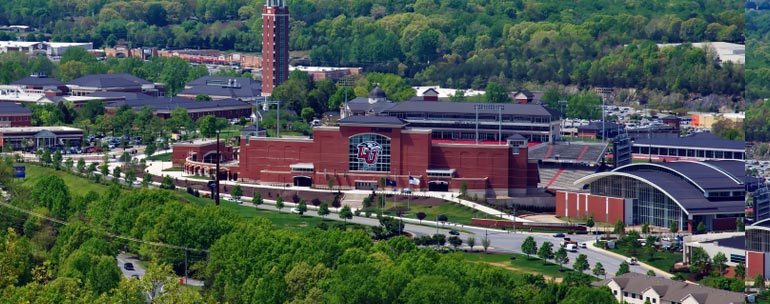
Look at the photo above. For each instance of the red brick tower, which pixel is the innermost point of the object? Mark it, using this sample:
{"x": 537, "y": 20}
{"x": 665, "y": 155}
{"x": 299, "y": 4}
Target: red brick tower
{"x": 275, "y": 44}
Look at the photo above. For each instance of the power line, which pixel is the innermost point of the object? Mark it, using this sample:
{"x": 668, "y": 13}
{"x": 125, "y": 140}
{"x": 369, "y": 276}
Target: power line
{"x": 112, "y": 235}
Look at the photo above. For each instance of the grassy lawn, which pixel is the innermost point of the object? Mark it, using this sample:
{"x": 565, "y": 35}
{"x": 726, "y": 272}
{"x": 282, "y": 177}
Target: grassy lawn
{"x": 456, "y": 213}
{"x": 662, "y": 260}
{"x": 200, "y": 177}
{"x": 173, "y": 169}
{"x": 161, "y": 157}
{"x": 522, "y": 263}
{"x": 77, "y": 185}
{"x": 281, "y": 220}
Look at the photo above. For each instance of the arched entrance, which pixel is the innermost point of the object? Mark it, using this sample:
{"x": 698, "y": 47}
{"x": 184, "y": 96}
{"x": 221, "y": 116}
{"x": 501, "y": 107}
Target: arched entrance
{"x": 438, "y": 186}
{"x": 303, "y": 181}
{"x": 211, "y": 158}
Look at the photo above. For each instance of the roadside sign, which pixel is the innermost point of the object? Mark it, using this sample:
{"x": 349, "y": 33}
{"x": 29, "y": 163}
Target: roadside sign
{"x": 20, "y": 172}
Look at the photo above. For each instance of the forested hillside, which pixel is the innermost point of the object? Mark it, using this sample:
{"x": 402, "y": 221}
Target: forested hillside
{"x": 249, "y": 260}
{"x": 758, "y": 76}
{"x": 454, "y": 43}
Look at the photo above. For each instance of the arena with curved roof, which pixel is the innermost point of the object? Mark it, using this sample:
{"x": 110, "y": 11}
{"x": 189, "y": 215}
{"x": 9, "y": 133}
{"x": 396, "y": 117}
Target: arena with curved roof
{"x": 686, "y": 193}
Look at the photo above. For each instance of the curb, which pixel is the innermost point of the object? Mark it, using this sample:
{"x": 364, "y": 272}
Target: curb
{"x": 657, "y": 271}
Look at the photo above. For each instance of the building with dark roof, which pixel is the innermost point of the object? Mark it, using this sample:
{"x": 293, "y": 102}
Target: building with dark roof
{"x": 113, "y": 82}
{"x": 639, "y": 288}
{"x": 362, "y": 150}
{"x": 222, "y": 87}
{"x": 684, "y": 192}
{"x": 163, "y": 106}
{"x": 41, "y": 84}
{"x": 459, "y": 120}
{"x": 33, "y": 138}
{"x": 699, "y": 146}
{"x": 14, "y": 115}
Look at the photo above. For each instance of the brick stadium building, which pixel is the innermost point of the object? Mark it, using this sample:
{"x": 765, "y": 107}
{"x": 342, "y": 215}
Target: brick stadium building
{"x": 362, "y": 150}
{"x": 684, "y": 192}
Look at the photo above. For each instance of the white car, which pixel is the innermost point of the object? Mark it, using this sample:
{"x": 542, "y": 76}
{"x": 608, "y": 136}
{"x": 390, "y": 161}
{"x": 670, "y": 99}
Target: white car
{"x": 295, "y": 210}
{"x": 631, "y": 261}
{"x": 583, "y": 245}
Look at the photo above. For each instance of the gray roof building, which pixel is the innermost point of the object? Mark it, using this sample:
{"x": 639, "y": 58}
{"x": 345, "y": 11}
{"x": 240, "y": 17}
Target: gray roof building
{"x": 222, "y": 87}
{"x": 637, "y": 288}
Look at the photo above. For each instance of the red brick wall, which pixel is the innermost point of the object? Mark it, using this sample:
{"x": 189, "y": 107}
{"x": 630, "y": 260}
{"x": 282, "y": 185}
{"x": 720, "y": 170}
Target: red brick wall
{"x": 16, "y": 120}
{"x": 580, "y": 205}
{"x": 724, "y": 224}
{"x": 755, "y": 263}
{"x": 181, "y": 152}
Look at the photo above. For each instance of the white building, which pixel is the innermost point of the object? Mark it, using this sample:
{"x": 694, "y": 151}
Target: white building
{"x": 637, "y": 288}
{"x": 50, "y": 49}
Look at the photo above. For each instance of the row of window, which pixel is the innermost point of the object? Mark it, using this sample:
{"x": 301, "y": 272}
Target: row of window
{"x": 702, "y": 153}
{"x": 15, "y": 118}
{"x": 633, "y": 296}
{"x": 650, "y": 205}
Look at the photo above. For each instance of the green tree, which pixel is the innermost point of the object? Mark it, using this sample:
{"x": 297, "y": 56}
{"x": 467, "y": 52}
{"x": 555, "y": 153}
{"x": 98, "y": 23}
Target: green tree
{"x": 624, "y": 268}
{"x": 673, "y": 227}
{"x": 167, "y": 183}
{"x": 421, "y": 216}
{"x": 651, "y": 273}
{"x": 645, "y": 228}
{"x": 330, "y": 182}
{"x": 759, "y": 282}
{"x": 279, "y": 203}
{"x": 463, "y": 190}
{"x": 146, "y": 179}
{"x": 545, "y": 252}
{"x": 257, "y": 199}
{"x": 455, "y": 241}
{"x": 740, "y": 226}
{"x": 719, "y": 261}
{"x": 210, "y": 124}
{"x": 46, "y": 157}
{"x": 307, "y": 114}
{"x": 585, "y": 105}
{"x": 237, "y": 192}
{"x": 496, "y": 93}
{"x": 302, "y": 207}
{"x": 599, "y": 270}
{"x": 68, "y": 164}
{"x": 699, "y": 260}
{"x": 116, "y": 173}
{"x": 149, "y": 150}
{"x": 130, "y": 176}
{"x": 345, "y": 213}
{"x": 529, "y": 246}
{"x": 323, "y": 209}
{"x": 740, "y": 271}
{"x": 91, "y": 169}
{"x": 620, "y": 228}
{"x": 485, "y": 242}
{"x": 701, "y": 227}
{"x": 560, "y": 257}
{"x": 81, "y": 165}
{"x": 15, "y": 258}
{"x": 581, "y": 263}
{"x": 471, "y": 241}
{"x": 52, "y": 193}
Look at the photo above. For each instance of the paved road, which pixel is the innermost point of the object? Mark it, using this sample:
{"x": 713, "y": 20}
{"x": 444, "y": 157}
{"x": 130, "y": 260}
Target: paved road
{"x": 501, "y": 241}
{"x": 123, "y": 259}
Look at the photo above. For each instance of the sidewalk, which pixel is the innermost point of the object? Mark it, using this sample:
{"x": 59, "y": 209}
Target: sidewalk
{"x": 657, "y": 271}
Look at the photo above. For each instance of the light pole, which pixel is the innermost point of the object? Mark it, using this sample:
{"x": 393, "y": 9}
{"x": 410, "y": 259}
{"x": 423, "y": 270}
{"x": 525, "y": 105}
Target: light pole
{"x": 216, "y": 174}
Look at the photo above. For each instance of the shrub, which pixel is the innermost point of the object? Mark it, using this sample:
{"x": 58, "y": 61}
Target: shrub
{"x": 295, "y": 198}
{"x": 316, "y": 202}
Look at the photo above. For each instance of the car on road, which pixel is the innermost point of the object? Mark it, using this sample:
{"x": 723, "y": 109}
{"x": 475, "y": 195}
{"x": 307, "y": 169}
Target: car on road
{"x": 583, "y": 245}
{"x": 128, "y": 266}
{"x": 295, "y": 210}
{"x": 558, "y": 235}
{"x": 632, "y": 261}
{"x": 571, "y": 247}
{"x": 454, "y": 232}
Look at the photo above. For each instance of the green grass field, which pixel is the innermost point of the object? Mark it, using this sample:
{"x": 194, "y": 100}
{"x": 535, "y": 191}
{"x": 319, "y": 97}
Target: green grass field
{"x": 662, "y": 260}
{"x": 522, "y": 263}
{"x": 77, "y": 185}
{"x": 456, "y": 213}
{"x": 161, "y": 157}
{"x": 281, "y": 220}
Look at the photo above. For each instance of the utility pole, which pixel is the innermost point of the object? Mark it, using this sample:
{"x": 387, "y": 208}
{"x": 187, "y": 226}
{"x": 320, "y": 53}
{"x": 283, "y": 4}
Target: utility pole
{"x": 216, "y": 174}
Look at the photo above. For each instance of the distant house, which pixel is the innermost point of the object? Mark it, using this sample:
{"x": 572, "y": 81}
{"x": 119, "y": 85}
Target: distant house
{"x": 525, "y": 96}
{"x": 115, "y": 83}
{"x": 222, "y": 87}
{"x": 430, "y": 94}
{"x": 636, "y": 288}
{"x": 14, "y": 115}
{"x": 373, "y": 105}
{"x": 163, "y": 106}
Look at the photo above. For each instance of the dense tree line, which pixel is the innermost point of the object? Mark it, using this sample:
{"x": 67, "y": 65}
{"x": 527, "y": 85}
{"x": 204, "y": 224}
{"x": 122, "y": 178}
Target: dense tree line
{"x": 249, "y": 260}
{"x": 757, "y": 76}
{"x": 454, "y": 43}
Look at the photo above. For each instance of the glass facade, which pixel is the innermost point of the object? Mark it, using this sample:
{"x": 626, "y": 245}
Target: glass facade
{"x": 369, "y": 152}
{"x": 757, "y": 240}
{"x": 650, "y": 205}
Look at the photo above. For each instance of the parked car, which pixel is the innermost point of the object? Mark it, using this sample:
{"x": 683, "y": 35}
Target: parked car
{"x": 454, "y": 232}
{"x": 558, "y": 235}
{"x": 128, "y": 266}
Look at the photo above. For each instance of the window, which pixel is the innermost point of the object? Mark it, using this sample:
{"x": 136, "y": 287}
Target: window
{"x": 615, "y": 292}
{"x": 369, "y": 152}
{"x": 625, "y": 293}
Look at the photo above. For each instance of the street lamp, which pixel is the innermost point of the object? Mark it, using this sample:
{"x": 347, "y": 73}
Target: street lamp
{"x": 216, "y": 174}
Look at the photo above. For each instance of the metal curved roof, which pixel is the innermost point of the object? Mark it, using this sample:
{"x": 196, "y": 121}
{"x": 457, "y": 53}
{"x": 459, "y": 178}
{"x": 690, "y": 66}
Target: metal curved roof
{"x": 685, "y": 183}
{"x": 705, "y": 176}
